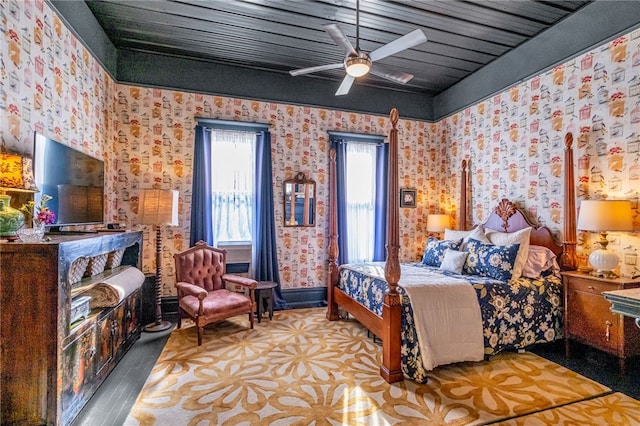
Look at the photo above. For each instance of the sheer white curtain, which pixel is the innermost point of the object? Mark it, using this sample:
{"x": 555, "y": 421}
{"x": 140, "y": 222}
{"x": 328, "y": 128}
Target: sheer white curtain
{"x": 361, "y": 193}
{"x": 232, "y": 180}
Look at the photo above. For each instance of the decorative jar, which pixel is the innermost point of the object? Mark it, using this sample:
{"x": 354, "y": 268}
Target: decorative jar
{"x": 10, "y": 219}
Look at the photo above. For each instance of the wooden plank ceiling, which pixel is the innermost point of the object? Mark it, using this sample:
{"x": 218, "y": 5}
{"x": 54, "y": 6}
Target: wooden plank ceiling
{"x": 282, "y": 35}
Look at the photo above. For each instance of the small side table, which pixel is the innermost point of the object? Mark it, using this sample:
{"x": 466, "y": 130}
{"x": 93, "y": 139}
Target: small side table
{"x": 588, "y": 317}
{"x": 264, "y": 298}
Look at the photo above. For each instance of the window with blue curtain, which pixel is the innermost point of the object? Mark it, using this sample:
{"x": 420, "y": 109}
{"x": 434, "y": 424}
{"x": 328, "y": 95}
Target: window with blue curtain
{"x": 361, "y": 163}
{"x": 361, "y": 200}
{"x": 232, "y": 196}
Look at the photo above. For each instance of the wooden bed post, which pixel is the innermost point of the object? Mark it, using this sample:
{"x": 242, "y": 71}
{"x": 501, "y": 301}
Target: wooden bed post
{"x": 332, "y": 279}
{"x": 464, "y": 213}
{"x": 391, "y": 309}
{"x": 569, "y": 258}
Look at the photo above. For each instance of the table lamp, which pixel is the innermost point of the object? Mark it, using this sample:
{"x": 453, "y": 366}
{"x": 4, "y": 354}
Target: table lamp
{"x": 16, "y": 174}
{"x": 438, "y": 222}
{"x": 603, "y": 216}
{"x": 158, "y": 207}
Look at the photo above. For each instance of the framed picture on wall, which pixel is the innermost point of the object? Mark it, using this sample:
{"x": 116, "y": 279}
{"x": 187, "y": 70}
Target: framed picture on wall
{"x": 407, "y": 197}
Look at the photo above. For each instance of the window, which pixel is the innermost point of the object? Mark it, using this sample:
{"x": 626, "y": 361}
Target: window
{"x": 232, "y": 184}
{"x": 361, "y": 199}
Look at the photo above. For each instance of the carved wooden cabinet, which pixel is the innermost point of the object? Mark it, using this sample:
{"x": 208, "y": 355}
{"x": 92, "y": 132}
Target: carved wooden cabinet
{"x": 49, "y": 365}
{"x": 588, "y": 316}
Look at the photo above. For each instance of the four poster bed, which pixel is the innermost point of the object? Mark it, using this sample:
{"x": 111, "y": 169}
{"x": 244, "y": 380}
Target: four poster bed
{"x": 416, "y": 309}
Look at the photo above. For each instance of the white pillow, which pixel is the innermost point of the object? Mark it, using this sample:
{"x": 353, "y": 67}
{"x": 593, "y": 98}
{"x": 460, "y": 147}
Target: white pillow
{"x": 476, "y": 233}
{"x": 539, "y": 259}
{"x": 519, "y": 237}
{"x": 453, "y": 260}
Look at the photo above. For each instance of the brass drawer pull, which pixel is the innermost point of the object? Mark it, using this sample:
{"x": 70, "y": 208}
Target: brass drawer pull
{"x": 607, "y": 333}
{"x": 591, "y": 287}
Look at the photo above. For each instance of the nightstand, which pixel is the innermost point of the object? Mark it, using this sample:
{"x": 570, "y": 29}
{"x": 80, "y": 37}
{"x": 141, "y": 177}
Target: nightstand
{"x": 588, "y": 317}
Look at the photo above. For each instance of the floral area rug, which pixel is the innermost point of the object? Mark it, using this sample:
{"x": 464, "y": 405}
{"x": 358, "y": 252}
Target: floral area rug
{"x": 302, "y": 369}
{"x": 612, "y": 409}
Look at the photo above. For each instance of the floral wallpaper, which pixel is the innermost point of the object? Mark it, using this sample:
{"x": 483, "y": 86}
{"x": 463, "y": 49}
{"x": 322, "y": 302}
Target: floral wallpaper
{"x": 515, "y": 141}
{"x": 154, "y": 145}
{"x": 52, "y": 84}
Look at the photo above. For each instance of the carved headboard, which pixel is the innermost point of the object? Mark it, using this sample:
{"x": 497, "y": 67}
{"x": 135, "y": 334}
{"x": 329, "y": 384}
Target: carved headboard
{"x": 507, "y": 217}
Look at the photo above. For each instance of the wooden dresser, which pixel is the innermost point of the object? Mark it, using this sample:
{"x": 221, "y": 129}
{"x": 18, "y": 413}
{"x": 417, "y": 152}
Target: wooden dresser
{"x": 49, "y": 366}
{"x": 588, "y": 316}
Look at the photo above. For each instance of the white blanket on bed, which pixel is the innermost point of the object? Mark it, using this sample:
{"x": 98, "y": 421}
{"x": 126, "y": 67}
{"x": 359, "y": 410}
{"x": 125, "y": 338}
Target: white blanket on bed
{"x": 447, "y": 316}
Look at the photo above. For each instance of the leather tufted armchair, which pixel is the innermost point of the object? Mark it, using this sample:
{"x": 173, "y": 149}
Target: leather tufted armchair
{"x": 201, "y": 282}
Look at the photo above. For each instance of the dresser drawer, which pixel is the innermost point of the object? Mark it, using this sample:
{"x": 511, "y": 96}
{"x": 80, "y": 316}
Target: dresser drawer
{"x": 592, "y": 286}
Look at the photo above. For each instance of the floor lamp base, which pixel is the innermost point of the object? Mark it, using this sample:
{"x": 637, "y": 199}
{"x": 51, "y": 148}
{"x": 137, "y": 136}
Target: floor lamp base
{"x": 157, "y": 326}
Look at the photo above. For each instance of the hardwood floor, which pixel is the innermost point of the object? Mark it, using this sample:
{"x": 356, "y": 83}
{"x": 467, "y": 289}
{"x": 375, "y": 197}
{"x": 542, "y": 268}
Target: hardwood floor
{"x": 113, "y": 401}
{"x": 111, "y": 404}
{"x": 596, "y": 365}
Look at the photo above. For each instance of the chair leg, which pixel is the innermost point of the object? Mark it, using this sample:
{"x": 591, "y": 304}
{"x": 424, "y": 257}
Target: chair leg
{"x": 179, "y": 318}
{"x": 251, "y": 319}
{"x": 200, "y": 330}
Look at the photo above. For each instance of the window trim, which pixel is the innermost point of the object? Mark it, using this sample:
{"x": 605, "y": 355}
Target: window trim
{"x": 356, "y": 137}
{"x": 240, "y": 126}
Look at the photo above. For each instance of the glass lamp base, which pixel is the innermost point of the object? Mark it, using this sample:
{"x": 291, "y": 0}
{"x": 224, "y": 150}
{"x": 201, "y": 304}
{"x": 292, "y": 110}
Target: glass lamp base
{"x": 604, "y": 262}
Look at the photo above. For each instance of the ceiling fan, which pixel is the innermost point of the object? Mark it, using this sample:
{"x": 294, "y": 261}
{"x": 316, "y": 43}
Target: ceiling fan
{"x": 358, "y": 63}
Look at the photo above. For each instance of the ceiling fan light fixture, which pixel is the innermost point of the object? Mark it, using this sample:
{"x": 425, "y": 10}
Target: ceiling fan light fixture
{"x": 357, "y": 66}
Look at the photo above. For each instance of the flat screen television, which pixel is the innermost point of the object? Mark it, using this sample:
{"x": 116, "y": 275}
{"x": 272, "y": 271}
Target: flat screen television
{"x": 73, "y": 179}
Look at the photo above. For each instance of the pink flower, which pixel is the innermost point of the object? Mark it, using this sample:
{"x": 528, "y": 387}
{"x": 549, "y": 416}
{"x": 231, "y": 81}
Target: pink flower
{"x": 40, "y": 213}
{"x": 46, "y": 216}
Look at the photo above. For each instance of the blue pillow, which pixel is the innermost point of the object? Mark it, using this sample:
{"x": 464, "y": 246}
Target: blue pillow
{"x": 491, "y": 261}
{"x": 435, "y": 248}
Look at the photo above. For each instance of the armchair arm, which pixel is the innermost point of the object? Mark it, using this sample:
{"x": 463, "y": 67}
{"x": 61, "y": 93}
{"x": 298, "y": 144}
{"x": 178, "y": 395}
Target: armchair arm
{"x": 191, "y": 289}
{"x": 243, "y": 281}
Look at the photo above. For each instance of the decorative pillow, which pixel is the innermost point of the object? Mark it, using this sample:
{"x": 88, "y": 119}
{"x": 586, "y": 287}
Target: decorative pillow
{"x": 506, "y": 238}
{"x": 476, "y": 233}
{"x": 540, "y": 259}
{"x": 434, "y": 250}
{"x": 453, "y": 261}
{"x": 490, "y": 260}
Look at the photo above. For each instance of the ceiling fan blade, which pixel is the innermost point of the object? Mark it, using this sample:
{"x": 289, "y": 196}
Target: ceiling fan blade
{"x": 340, "y": 39}
{"x": 316, "y": 69}
{"x": 345, "y": 85}
{"x": 407, "y": 41}
{"x": 397, "y": 76}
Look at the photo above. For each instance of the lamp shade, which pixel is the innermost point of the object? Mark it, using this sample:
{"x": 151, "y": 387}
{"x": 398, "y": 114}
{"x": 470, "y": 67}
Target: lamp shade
{"x": 16, "y": 173}
{"x": 158, "y": 207}
{"x": 438, "y": 222}
{"x": 605, "y": 215}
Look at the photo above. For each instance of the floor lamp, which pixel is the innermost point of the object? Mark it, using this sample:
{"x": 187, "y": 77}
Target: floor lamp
{"x": 158, "y": 208}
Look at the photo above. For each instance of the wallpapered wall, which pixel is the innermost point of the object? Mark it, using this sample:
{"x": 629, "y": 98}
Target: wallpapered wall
{"x": 515, "y": 140}
{"x": 52, "y": 84}
{"x": 154, "y": 145}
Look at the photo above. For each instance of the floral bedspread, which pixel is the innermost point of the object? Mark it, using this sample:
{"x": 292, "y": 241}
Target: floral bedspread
{"x": 514, "y": 315}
